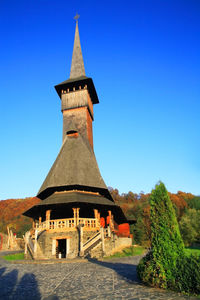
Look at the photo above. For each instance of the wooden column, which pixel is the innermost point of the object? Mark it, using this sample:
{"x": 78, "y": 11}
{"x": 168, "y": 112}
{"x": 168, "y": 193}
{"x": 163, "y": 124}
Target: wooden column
{"x": 35, "y": 244}
{"x": 99, "y": 217}
{"x": 102, "y": 240}
{"x": 76, "y": 215}
{"x": 96, "y": 213}
{"x": 48, "y": 215}
{"x": 40, "y": 220}
{"x": 109, "y": 231}
{"x": 81, "y": 239}
{"x": 33, "y": 224}
{"x": 111, "y": 220}
{"x": 25, "y": 248}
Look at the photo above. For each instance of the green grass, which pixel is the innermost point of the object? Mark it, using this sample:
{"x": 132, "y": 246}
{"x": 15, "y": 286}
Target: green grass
{"x": 16, "y": 256}
{"x": 129, "y": 251}
{"x": 192, "y": 250}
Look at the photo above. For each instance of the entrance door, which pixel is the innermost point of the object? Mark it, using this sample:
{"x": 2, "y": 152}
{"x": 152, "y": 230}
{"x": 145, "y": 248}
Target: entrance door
{"x": 62, "y": 247}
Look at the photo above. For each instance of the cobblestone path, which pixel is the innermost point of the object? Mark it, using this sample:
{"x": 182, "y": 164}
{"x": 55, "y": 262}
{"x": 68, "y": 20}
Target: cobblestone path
{"x": 113, "y": 279}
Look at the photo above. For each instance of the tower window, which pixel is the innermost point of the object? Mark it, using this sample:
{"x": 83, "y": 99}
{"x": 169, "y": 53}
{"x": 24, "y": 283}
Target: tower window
{"x": 72, "y": 133}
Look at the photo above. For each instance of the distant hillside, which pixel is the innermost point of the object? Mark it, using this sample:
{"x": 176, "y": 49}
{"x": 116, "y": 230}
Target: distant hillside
{"x": 11, "y": 214}
{"x": 135, "y": 206}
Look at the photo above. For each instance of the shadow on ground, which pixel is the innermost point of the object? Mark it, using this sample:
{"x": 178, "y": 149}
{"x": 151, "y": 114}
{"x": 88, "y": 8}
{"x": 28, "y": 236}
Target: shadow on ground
{"x": 12, "y": 289}
{"x": 126, "y": 271}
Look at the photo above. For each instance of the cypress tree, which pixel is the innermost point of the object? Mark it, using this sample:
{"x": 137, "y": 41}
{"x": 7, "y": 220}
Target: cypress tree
{"x": 158, "y": 268}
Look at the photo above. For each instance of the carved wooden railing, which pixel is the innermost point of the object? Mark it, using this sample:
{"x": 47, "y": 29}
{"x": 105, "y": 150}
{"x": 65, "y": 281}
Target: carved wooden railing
{"x": 67, "y": 223}
{"x": 88, "y": 223}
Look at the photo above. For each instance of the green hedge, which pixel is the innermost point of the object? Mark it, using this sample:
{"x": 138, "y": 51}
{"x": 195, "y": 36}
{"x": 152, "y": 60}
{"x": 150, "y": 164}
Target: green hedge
{"x": 166, "y": 265}
{"x": 187, "y": 274}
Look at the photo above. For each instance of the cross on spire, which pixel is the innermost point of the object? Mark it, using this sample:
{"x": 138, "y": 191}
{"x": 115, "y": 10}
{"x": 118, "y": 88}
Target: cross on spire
{"x": 77, "y": 16}
{"x": 77, "y": 66}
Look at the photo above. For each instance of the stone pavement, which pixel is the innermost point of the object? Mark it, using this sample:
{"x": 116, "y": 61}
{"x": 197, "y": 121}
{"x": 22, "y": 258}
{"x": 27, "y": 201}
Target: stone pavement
{"x": 110, "y": 279}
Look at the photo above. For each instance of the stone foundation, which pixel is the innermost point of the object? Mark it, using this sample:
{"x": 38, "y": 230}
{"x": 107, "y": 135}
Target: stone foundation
{"x": 49, "y": 244}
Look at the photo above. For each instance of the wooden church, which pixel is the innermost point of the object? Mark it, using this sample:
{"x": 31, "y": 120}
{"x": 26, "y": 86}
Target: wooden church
{"x": 76, "y": 215}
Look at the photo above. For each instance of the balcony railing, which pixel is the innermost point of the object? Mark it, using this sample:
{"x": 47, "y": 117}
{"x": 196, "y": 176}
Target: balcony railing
{"x": 68, "y": 224}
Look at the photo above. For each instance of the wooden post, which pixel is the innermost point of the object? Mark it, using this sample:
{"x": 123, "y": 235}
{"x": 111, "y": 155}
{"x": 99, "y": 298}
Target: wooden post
{"x": 25, "y": 248}
{"x": 33, "y": 224}
{"x": 35, "y": 244}
{"x": 40, "y": 220}
{"x": 99, "y": 217}
{"x": 81, "y": 239}
{"x": 102, "y": 240}
{"x": 109, "y": 231}
{"x": 111, "y": 220}
{"x": 96, "y": 213}
{"x": 48, "y": 215}
{"x": 75, "y": 216}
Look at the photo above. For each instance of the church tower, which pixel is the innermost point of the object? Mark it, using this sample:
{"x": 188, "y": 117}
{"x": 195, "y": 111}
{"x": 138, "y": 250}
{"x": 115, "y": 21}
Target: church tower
{"x": 77, "y": 95}
{"x": 75, "y": 202}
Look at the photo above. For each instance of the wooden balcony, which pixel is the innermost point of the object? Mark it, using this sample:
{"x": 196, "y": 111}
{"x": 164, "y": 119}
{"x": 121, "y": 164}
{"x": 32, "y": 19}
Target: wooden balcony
{"x": 68, "y": 224}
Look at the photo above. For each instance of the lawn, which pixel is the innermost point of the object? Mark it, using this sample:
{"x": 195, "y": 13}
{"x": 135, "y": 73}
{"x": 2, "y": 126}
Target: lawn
{"x": 129, "y": 251}
{"x": 16, "y": 256}
{"x": 192, "y": 250}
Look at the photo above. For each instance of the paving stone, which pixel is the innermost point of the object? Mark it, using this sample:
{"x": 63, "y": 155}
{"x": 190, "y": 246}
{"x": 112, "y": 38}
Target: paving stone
{"x": 101, "y": 280}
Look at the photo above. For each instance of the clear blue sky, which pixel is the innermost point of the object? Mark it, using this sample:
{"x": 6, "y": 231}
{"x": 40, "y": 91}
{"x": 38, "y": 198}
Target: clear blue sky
{"x": 144, "y": 58}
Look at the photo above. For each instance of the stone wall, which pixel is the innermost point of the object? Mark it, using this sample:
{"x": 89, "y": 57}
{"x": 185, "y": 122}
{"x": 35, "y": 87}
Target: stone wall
{"x": 45, "y": 242}
{"x": 87, "y": 235}
{"x": 115, "y": 244}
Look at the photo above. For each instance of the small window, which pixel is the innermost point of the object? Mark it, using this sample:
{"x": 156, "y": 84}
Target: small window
{"x": 72, "y": 133}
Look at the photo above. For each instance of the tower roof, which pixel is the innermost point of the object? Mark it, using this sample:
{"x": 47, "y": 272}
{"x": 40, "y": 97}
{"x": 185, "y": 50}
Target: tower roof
{"x": 74, "y": 168}
{"x": 77, "y": 74}
{"x": 76, "y": 83}
{"x": 77, "y": 66}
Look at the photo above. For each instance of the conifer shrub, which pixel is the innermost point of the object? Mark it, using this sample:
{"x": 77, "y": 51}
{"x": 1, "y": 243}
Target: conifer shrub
{"x": 188, "y": 274}
{"x": 166, "y": 265}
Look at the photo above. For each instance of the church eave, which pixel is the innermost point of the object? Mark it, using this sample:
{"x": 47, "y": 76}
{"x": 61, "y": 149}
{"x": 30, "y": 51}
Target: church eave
{"x": 66, "y": 202}
{"x": 76, "y": 83}
{"x": 50, "y": 190}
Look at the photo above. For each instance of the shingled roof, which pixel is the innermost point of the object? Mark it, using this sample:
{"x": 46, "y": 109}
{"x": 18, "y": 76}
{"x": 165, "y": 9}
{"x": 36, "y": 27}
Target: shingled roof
{"x": 75, "y": 196}
{"x": 77, "y": 66}
{"x": 75, "y": 166}
{"x": 66, "y": 200}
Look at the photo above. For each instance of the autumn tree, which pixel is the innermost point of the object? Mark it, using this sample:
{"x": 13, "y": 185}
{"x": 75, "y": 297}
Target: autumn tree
{"x": 189, "y": 227}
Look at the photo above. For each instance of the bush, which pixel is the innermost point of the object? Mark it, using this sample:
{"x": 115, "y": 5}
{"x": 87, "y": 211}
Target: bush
{"x": 157, "y": 268}
{"x": 167, "y": 265}
{"x": 188, "y": 274}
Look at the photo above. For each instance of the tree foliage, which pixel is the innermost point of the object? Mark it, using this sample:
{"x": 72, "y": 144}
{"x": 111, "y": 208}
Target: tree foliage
{"x": 189, "y": 227}
{"x": 157, "y": 268}
{"x": 135, "y": 206}
{"x": 167, "y": 265}
{"x": 11, "y": 213}
{"x": 194, "y": 203}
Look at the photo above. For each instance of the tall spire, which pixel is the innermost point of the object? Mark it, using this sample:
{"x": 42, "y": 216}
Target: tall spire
{"x": 77, "y": 66}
